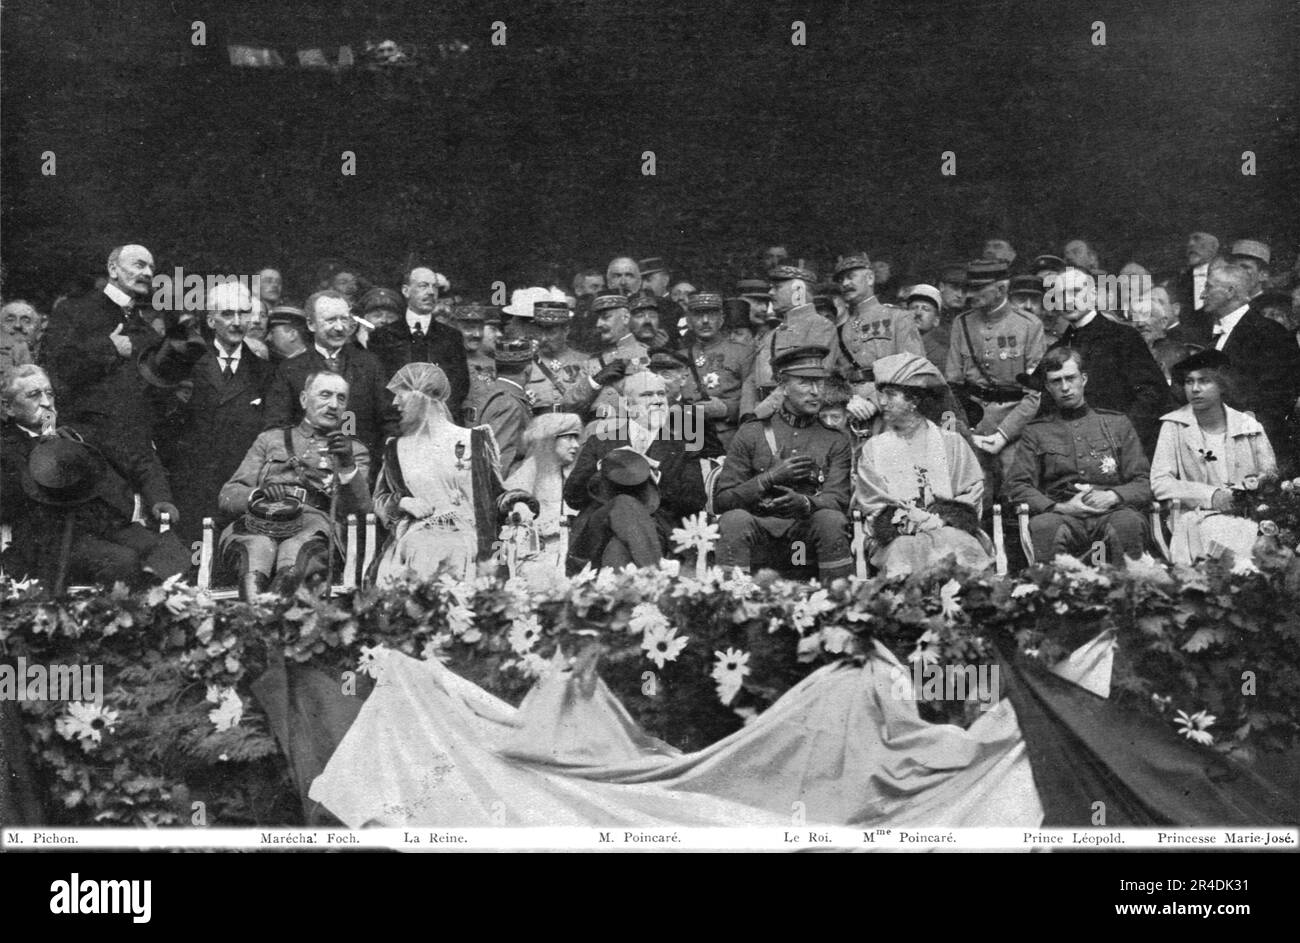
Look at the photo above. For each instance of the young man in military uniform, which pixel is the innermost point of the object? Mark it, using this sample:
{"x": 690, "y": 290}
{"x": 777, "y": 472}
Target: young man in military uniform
{"x": 1082, "y": 471}
{"x": 786, "y": 478}
{"x": 718, "y": 366}
{"x": 471, "y": 319}
{"x": 799, "y": 325}
{"x": 991, "y": 344}
{"x": 508, "y": 408}
{"x": 293, "y": 471}
{"x": 871, "y": 330}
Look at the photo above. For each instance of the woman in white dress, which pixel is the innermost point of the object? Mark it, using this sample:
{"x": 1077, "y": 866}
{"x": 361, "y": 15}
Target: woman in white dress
{"x": 439, "y": 492}
{"x": 550, "y": 446}
{"x": 1206, "y": 451}
{"x": 919, "y": 485}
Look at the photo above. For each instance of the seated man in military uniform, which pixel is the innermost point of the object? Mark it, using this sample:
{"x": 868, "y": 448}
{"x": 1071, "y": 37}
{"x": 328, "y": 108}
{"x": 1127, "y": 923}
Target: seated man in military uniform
{"x": 283, "y": 490}
{"x": 53, "y": 480}
{"x": 1082, "y": 471}
{"x": 786, "y": 478}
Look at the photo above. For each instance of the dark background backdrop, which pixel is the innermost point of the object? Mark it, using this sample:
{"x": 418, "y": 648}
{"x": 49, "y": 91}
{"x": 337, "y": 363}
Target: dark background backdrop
{"x": 518, "y": 163}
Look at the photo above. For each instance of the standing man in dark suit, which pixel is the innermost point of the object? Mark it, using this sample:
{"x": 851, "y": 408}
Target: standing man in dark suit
{"x": 418, "y": 338}
{"x": 1265, "y": 359}
{"x": 206, "y": 438}
{"x": 371, "y": 416}
{"x": 1122, "y": 375}
{"x": 94, "y": 340}
{"x": 1188, "y": 289}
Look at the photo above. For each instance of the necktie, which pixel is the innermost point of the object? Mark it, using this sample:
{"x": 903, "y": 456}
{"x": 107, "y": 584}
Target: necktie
{"x": 227, "y": 368}
{"x": 417, "y": 331}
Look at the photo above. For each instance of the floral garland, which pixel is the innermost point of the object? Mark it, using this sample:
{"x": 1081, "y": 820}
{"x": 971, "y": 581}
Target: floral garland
{"x": 1212, "y": 651}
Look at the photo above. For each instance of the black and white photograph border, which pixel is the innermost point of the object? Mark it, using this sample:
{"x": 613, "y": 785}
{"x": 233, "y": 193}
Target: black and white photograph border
{"x": 644, "y": 426}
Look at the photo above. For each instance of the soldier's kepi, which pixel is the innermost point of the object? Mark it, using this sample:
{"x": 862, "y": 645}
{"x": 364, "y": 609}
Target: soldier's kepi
{"x": 871, "y": 331}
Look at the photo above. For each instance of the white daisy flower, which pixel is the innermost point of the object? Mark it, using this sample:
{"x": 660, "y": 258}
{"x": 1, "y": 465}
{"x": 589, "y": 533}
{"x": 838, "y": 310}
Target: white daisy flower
{"x": 86, "y": 722}
{"x": 662, "y": 647}
{"x": 729, "y": 672}
{"x": 926, "y": 651}
{"x": 371, "y": 660}
{"x": 948, "y": 599}
{"x": 524, "y": 634}
{"x": 1196, "y": 727}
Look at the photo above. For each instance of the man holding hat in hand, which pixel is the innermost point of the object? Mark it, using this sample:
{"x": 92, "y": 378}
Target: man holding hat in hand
{"x": 786, "y": 478}
{"x": 56, "y": 485}
{"x": 623, "y": 515}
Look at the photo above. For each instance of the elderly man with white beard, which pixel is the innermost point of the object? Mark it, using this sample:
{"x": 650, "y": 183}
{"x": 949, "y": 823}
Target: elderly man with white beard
{"x": 623, "y": 514}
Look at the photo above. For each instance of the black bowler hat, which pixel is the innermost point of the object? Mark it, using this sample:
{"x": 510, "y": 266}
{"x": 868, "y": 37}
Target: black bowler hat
{"x": 1208, "y": 359}
{"x": 624, "y": 471}
{"x": 62, "y": 472}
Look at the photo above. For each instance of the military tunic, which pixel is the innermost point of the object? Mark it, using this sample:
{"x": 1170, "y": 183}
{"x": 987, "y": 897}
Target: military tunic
{"x": 1006, "y": 343}
{"x": 803, "y": 327}
{"x": 269, "y": 462}
{"x": 871, "y": 331}
{"x": 742, "y": 490}
{"x": 1098, "y": 447}
{"x": 509, "y": 411}
{"x": 482, "y": 374}
{"x": 628, "y": 349}
{"x": 720, "y": 368}
{"x": 559, "y": 384}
